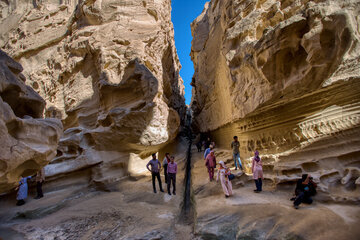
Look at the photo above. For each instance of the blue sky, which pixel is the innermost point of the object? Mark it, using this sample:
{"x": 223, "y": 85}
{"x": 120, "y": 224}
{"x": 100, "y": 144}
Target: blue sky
{"x": 183, "y": 13}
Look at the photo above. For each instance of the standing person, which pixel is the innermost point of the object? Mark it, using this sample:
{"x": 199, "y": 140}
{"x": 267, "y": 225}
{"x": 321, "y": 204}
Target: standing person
{"x": 257, "y": 172}
{"x": 305, "y": 188}
{"x": 210, "y": 163}
{"x": 165, "y": 165}
{"x": 223, "y": 172}
{"x": 40, "y": 178}
{"x": 207, "y": 151}
{"x": 155, "y": 171}
{"x": 235, "y": 145}
{"x": 172, "y": 170}
{"x": 198, "y": 145}
{"x": 23, "y": 191}
{"x": 207, "y": 143}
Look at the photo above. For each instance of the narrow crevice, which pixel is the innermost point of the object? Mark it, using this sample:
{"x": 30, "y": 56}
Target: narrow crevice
{"x": 188, "y": 209}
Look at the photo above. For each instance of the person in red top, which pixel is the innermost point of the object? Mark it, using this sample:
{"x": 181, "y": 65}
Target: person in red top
{"x": 171, "y": 172}
{"x": 210, "y": 163}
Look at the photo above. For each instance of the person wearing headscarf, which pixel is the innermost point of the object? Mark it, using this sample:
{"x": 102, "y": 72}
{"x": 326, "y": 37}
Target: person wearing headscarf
{"x": 223, "y": 173}
{"x": 210, "y": 163}
{"x": 22, "y": 191}
{"x": 208, "y": 150}
{"x": 257, "y": 172}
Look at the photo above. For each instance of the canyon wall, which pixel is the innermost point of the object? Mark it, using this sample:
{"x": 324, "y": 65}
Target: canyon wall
{"x": 109, "y": 70}
{"x": 28, "y": 142}
{"x": 284, "y": 76}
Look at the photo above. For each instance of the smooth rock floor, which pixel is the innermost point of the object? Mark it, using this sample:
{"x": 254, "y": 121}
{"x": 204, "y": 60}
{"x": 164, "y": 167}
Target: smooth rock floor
{"x": 135, "y": 212}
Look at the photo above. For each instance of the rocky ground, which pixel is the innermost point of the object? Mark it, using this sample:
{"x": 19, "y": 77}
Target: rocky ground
{"x": 135, "y": 212}
{"x": 266, "y": 215}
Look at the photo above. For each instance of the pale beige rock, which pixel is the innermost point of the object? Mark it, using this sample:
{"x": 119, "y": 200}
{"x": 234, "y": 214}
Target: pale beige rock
{"x": 109, "y": 69}
{"x": 284, "y": 77}
{"x": 27, "y": 142}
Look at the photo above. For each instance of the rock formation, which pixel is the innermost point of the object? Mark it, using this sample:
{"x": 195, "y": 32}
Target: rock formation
{"x": 109, "y": 70}
{"x": 285, "y": 77}
{"x": 27, "y": 141}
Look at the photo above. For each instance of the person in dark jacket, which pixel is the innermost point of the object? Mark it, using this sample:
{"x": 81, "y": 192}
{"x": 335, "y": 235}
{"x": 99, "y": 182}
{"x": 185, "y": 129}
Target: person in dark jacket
{"x": 207, "y": 143}
{"x": 305, "y": 189}
{"x": 40, "y": 179}
{"x": 165, "y": 165}
{"x": 199, "y": 145}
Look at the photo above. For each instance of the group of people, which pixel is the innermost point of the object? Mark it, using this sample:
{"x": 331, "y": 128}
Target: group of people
{"x": 22, "y": 188}
{"x": 305, "y": 187}
{"x": 170, "y": 171}
{"x": 205, "y": 144}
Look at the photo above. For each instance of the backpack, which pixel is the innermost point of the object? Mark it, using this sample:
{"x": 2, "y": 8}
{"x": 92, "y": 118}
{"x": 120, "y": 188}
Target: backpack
{"x": 231, "y": 177}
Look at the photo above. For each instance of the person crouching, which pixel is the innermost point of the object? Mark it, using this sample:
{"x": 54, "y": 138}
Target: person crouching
{"x": 305, "y": 189}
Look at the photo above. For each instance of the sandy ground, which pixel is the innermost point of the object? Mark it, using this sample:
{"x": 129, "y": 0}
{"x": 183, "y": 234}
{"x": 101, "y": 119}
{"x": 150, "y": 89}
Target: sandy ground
{"x": 135, "y": 212}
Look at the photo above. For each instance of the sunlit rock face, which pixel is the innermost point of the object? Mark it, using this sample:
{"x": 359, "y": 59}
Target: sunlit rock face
{"x": 108, "y": 69}
{"x": 27, "y": 142}
{"x": 285, "y": 77}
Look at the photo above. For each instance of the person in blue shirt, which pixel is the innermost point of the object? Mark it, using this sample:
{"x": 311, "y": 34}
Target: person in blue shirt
{"x": 207, "y": 151}
{"x": 155, "y": 171}
{"x": 23, "y": 191}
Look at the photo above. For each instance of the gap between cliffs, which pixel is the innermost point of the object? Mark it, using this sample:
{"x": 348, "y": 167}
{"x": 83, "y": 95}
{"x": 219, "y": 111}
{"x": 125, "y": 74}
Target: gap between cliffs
{"x": 188, "y": 206}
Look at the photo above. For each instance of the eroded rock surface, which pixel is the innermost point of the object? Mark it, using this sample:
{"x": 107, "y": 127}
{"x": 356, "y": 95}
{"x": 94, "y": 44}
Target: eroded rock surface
{"x": 285, "y": 77}
{"x": 27, "y": 142}
{"x": 109, "y": 70}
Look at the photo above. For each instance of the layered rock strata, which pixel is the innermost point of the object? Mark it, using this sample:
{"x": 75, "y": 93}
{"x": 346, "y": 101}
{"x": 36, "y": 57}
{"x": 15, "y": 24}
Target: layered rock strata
{"x": 285, "y": 77}
{"x": 109, "y": 70}
{"x": 28, "y": 142}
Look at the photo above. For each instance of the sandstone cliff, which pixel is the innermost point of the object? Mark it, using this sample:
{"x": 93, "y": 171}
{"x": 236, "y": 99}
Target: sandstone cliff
{"x": 285, "y": 77}
{"x": 109, "y": 70}
{"x": 27, "y": 141}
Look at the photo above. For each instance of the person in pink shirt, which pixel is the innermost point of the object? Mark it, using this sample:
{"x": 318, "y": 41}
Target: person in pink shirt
{"x": 223, "y": 173}
{"x": 171, "y": 172}
{"x": 210, "y": 163}
{"x": 257, "y": 172}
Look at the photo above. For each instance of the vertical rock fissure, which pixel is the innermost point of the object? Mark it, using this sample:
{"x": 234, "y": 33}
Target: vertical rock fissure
{"x": 188, "y": 212}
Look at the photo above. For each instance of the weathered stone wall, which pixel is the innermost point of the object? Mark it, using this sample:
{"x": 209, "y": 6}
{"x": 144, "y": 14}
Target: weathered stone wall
{"x": 284, "y": 76}
{"x": 108, "y": 69}
{"x": 27, "y": 142}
